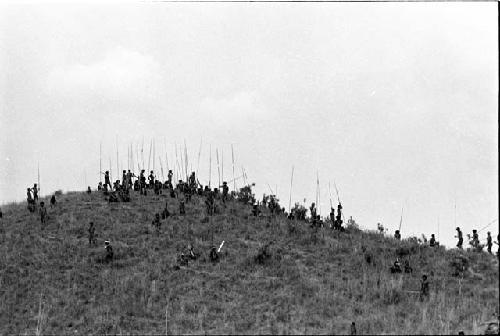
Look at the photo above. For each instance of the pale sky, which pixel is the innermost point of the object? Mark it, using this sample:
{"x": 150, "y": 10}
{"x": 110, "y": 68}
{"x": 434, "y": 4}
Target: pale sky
{"x": 395, "y": 102}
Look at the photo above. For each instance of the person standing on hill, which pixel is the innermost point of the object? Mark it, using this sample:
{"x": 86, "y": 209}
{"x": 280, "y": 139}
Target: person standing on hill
{"x": 43, "y": 213}
{"x": 157, "y": 223}
{"x": 353, "y": 328}
{"x": 53, "y": 201}
{"x": 488, "y": 242}
{"x": 28, "y": 196}
{"x": 432, "y": 241}
{"x": 107, "y": 180}
{"x": 397, "y": 235}
{"x": 35, "y": 193}
{"x": 475, "y": 239}
{"x": 460, "y": 238}
{"x": 182, "y": 207}
{"x": 91, "y": 231}
{"x": 225, "y": 191}
{"x": 89, "y": 191}
{"x": 312, "y": 208}
{"x": 424, "y": 288}
{"x": 151, "y": 179}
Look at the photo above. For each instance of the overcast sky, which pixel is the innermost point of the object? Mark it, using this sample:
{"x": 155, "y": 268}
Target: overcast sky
{"x": 395, "y": 102}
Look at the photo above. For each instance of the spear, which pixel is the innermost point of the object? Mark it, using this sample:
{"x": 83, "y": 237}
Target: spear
{"x": 162, "y": 176}
{"x": 142, "y": 152}
{"x": 149, "y": 158}
{"x": 290, "y": 200}
{"x": 210, "y": 168}
{"x": 110, "y": 171}
{"x": 38, "y": 180}
{"x": 166, "y": 155}
{"x": 222, "y": 163}
{"x": 220, "y": 247}
{"x": 330, "y": 193}
{"x": 100, "y": 162}
{"x": 218, "y": 167}
{"x": 493, "y": 221}
{"x": 199, "y": 155}
{"x": 117, "y": 167}
{"x": 401, "y": 219}
{"x": 186, "y": 160}
{"x": 317, "y": 189}
{"x": 232, "y": 157}
{"x": 154, "y": 153}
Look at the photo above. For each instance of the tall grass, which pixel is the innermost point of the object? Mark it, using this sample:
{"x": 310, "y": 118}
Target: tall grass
{"x": 316, "y": 282}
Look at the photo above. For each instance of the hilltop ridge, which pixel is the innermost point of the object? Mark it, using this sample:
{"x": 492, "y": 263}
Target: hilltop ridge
{"x": 314, "y": 282}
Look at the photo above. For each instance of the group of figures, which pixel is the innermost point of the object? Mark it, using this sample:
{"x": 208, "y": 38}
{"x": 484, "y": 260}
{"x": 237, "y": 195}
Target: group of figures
{"x": 34, "y": 204}
{"x": 474, "y": 241}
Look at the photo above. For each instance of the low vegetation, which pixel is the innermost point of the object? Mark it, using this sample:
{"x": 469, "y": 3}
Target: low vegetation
{"x": 309, "y": 282}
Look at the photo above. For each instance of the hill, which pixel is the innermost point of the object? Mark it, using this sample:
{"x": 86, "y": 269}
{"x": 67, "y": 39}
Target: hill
{"x": 315, "y": 281}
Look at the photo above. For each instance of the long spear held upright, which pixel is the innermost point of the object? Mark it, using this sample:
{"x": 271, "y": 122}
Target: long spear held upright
{"x": 166, "y": 155}
{"x": 199, "y": 155}
{"x": 110, "y": 171}
{"x": 290, "y": 200}
{"x": 210, "y": 168}
{"x": 38, "y": 180}
{"x": 218, "y": 167}
{"x": 100, "y": 162}
{"x": 330, "y": 193}
{"x": 186, "y": 160}
{"x": 142, "y": 152}
{"x": 401, "y": 219}
{"x": 117, "y": 167}
{"x": 317, "y": 189}
{"x": 149, "y": 158}
{"x": 162, "y": 176}
{"x": 154, "y": 153}
{"x": 232, "y": 157}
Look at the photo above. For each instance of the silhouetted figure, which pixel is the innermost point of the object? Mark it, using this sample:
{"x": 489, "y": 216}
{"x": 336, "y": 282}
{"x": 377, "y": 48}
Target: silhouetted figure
{"x": 489, "y": 242}
{"x": 107, "y": 180}
{"x": 408, "y": 269}
{"x": 91, "y": 231}
{"x": 475, "y": 239}
{"x": 89, "y": 191}
{"x": 353, "y": 328}
{"x": 397, "y": 235}
{"x": 182, "y": 208}
{"x": 460, "y": 238}
{"x": 157, "y": 223}
{"x": 432, "y": 241}
{"x": 35, "y": 193}
{"x": 109, "y": 251}
{"x": 43, "y": 213}
{"x": 214, "y": 256}
{"x": 396, "y": 268}
{"x": 424, "y": 288}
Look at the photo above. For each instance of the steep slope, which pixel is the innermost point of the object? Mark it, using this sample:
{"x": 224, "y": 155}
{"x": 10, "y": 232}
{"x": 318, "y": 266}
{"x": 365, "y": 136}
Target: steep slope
{"x": 316, "y": 282}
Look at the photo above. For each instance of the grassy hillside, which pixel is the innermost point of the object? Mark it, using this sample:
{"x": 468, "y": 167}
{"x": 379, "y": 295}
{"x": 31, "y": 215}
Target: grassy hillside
{"x": 314, "y": 283}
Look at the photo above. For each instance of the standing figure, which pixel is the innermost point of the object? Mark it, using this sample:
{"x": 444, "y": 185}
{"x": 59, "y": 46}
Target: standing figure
{"x": 35, "y": 193}
{"x": 91, "y": 231}
{"x": 53, "y": 201}
{"x": 107, "y": 180}
{"x": 397, "y": 235}
{"x": 488, "y": 242}
{"x": 424, "y": 288}
{"x": 475, "y": 239}
{"x": 151, "y": 179}
{"x": 460, "y": 238}
{"x": 43, "y": 213}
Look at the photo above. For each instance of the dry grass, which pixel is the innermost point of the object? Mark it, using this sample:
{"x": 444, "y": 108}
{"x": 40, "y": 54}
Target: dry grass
{"x": 315, "y": 283}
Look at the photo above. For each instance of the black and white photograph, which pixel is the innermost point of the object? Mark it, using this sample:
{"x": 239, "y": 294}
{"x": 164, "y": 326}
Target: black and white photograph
{"x": 249, "y": 167}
